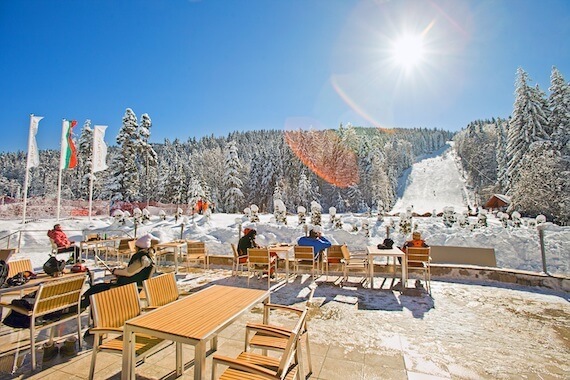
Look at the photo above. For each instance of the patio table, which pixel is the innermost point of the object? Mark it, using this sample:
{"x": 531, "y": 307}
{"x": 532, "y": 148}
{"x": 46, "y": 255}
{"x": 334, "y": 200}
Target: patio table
{"x": 174, "y": 247}
{"x": 193, "y": 320}
{"x": 394, "y": 252}
{"x": 282, "y": 251}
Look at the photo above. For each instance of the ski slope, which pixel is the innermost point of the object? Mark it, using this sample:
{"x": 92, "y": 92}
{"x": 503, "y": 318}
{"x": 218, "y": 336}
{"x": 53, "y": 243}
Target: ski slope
{"x": 432, "y": 183}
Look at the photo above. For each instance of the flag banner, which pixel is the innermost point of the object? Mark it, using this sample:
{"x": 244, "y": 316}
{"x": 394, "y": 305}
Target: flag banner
{"x": 68, "y": 157}
{"x": 99, "y": 149}
{"x": 33, "y": 154}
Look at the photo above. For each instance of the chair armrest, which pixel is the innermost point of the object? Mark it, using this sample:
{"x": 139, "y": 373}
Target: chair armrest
{"x": 244, "y": 366}
{"x": 272, "y": 306}
{"x": 106, "y": 330}
{"x": 276, "y": 331}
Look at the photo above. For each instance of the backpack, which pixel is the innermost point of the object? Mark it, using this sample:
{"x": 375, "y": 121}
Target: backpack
{"x": 53, "y": 266}
{"x": 4, "y": 268}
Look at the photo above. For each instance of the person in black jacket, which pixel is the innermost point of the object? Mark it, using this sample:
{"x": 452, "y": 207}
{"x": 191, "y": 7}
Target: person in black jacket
{"x": 247, "y": 241}
{"x": 140, "y": 268}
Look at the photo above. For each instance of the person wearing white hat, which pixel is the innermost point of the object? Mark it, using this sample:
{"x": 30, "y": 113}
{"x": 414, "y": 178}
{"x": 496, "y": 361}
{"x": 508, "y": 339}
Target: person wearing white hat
{"x": 140, "y": 268}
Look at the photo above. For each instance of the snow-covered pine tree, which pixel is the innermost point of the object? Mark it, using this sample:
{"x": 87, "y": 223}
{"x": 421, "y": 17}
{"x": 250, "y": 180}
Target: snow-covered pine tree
{"x": 528, "y": 124}
{"x": 125, "y": 173}
{"x": 233, "y": 197}
{"x": 501, "y": 153}
{"x": 559, "y": 104}
{"x": 147, "y": 160}
{"x": 84, "y": 156}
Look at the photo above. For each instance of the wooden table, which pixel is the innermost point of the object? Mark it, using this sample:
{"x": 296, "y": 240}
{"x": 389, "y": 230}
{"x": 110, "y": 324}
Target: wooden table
{"x": 194, "y": 320}
{"x": 97, "y": 244}
{"x": 173, "y": 246}
{"x": 394, "y": 252}
{"x": 282, "y": 251}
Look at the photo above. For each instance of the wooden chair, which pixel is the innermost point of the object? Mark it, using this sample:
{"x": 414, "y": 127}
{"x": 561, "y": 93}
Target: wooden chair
{"x": 333, "y": 256}
{"x": 196, "y": 252}
{"x": 249, "y": 365}
{"x": 238, "y": 261}
{"x": 17, "y": 266}
{"x": 57, "y": 296}
{"x": 111, "y": 309}
{"x": 160, "y": 290}
{"x": 303, "y": 256}
{"x": 419, "y": 259}
{"x": 357, "y": 263}
{"x": 126, "y": 248}
{"x": 274, "y": 337}
{"x": 259, "y": 260}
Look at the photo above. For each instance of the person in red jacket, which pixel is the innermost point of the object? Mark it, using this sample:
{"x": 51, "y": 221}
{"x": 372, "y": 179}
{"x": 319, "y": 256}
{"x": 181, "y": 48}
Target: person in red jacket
{"x": 63, "y": 243}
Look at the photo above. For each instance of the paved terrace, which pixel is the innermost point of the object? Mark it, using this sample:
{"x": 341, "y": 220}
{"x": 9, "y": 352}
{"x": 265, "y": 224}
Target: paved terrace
{"x": 465, "y": 330}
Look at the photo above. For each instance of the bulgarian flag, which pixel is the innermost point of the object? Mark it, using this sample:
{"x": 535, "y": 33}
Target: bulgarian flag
{"x": 68, "y": 158}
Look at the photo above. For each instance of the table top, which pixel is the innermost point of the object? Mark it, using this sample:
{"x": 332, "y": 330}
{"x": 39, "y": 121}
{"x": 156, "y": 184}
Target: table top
{"x": 394, "y": 251}
{"x": 171, "y": 244}
{"x": 200, "y": 315}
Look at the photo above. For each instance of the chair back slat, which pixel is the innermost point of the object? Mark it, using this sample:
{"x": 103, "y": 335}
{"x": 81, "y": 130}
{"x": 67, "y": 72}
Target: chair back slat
{"x": 258, "y": 255}
{"x": 345, "y": 253}
{"x": 303, "y": 252}
{"x": 334, "y": 252}
{"x": 234, "y": 250}
{"x": 17, "y": 266}
{"x": 417, "y": 256}
{"x": 59, "y": 294}
{"x": 161, "y": 290}
{"x": 113, "y": 307}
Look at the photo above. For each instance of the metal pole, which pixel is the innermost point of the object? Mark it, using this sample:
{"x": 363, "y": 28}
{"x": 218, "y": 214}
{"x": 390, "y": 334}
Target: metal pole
{"x": 542, "y": 250}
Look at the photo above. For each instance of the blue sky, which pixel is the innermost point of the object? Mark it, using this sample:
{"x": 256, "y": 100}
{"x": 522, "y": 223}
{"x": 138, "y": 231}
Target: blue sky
{"x": 216, "y": 66}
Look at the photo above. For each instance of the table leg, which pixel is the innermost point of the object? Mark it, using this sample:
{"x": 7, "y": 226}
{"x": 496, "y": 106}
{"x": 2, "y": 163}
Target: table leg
{"x": 199, "y": 360}
{"x": 176, "y": 252}
{"x": 404, "y": 273}
{"x": 371, "y": 271}
{"x": 179, "y": 362}
{"x": 128, "y": 370}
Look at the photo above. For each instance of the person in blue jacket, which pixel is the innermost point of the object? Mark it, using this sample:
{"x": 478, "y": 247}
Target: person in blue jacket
{"x": 315, "y": 240}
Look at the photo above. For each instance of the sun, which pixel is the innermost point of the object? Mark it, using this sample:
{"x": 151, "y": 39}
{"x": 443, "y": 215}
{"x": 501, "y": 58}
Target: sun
{"x": 408, "y": 50}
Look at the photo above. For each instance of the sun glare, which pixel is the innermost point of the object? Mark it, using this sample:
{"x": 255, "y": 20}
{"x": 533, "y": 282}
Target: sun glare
{"x": 408, "y": 50}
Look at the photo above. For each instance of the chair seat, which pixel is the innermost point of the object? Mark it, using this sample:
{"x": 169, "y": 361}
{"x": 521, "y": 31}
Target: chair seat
{"x": 260, "y": 360}
{"x": 143, "y": 343}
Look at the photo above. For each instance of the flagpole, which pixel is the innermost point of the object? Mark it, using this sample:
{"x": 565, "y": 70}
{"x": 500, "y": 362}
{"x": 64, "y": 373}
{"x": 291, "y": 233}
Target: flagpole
{"x": 27, "y": 169}
{"x": 91, "y": 178}
{"x": 60, "y": 168}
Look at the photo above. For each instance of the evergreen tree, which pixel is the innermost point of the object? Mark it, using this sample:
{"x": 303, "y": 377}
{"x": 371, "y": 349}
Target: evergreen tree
{"x": 559, "y": 103}
{"x": 147, "y": 159}
{"x": 127, "y": 179}
{"x": 233, "y": 197}
{"x": 528, "y": 124}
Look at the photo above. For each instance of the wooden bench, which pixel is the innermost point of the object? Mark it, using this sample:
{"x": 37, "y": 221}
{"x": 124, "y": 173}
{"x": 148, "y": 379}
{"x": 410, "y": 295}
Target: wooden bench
{"x": 60, "y": 296}
{"x": 463, "y": 255}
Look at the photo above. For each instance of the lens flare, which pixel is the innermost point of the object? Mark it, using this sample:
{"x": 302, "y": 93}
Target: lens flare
{"x": 326, "y": 155}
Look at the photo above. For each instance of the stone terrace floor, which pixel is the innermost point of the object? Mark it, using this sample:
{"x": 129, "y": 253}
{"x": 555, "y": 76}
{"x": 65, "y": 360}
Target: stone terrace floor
{"x": 465, "y": 330}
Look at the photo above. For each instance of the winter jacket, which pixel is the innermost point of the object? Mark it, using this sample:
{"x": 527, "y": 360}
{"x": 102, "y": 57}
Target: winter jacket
{"x": 139, "y": 269}
{"x": 59, "y": 237}
{"x": 245, "y": 242}
{"x": 319, "y": 244}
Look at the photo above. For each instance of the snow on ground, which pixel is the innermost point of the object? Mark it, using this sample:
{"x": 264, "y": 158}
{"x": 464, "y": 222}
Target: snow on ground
{"x": 515, "y": 248}
{"x": 432, "y": 183}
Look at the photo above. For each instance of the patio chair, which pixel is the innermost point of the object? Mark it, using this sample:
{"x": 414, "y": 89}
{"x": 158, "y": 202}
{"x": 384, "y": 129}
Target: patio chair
{"x": 196, "y": 252}
{"x": 20, "y": 265}
{"x": 111, "y": 309}
{"x": 160, "y": 290}
{"x": 419, "y": 259}
{"x": 356, "y": 263}
{"x": 333, "y": 256}
{"x": 126, "y": 249}
{"x": 238, "y": 261}
{"x": 259, "y": 260}
{"x": 303, "y": 256}
{"x": 59, "y": 298}
{"x": 249, "y": 365}
{"x": 274, "y": 337}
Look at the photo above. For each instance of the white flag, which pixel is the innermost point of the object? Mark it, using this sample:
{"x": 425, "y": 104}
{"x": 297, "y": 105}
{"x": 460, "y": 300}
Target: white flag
{"x": 33, "y": 154}
{"x": 99, "y": 149}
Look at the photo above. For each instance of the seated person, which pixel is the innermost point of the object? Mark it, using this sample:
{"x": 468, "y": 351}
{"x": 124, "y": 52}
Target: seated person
{"x": 247, "y": 241}
{"x": 63, "y": 243}
{"x": 140, "y": 268}
{"x": 416, "y": 241}
{"x": 315, "y": 240}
